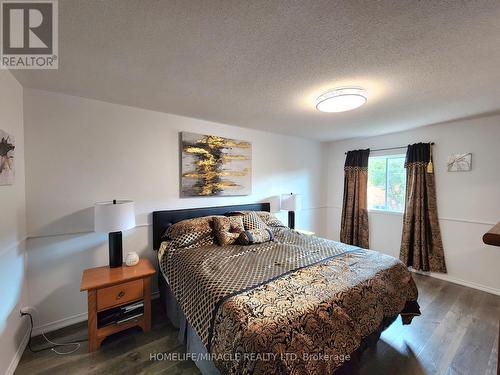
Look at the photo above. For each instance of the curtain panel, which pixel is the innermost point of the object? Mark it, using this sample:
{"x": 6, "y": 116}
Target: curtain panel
{"x": 354, "y": 224}
{"x": 421, "y": 244}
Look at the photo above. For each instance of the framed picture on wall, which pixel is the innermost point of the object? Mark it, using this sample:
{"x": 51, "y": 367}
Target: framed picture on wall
{"x": 214, "y": 166}
{"x": 7, "y": 147}
{"x": 460, "y": 162}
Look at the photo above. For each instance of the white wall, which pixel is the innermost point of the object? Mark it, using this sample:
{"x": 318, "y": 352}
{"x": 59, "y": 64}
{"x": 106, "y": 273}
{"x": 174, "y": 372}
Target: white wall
{"x": 80, "y": 151}
{"x": 468, "y": 202}
{"x": 13, "y": 290}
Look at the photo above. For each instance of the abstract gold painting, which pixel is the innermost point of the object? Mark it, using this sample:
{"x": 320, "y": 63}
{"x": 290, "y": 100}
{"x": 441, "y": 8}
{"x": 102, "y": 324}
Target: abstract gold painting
{"x": 215, "y": 166}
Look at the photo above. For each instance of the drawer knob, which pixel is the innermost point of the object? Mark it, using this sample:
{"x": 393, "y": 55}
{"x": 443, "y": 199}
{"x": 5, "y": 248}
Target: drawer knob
{"x": 121, "y": 294}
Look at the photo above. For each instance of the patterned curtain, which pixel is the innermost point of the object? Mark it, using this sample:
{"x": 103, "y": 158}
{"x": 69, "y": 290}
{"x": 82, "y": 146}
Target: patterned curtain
{"x": 421, "y": 245}
{"x": 354, "y": 226}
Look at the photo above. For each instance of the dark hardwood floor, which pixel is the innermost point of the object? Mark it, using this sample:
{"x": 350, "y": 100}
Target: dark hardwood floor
{"x": 456, "y": 334}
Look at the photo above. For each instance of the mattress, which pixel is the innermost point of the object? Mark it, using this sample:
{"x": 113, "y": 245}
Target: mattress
{"x": 298, "y": 304}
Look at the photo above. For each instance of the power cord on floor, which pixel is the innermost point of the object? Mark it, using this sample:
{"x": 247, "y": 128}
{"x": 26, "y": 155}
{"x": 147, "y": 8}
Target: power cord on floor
{"x": 54, "y": 344}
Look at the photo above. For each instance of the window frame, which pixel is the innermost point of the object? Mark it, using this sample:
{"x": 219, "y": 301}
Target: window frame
{"x": 387, "y": 155}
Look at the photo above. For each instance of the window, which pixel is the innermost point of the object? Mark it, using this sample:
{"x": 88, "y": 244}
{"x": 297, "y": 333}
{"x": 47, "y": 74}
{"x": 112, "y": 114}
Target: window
{"x": 386, "y": 183}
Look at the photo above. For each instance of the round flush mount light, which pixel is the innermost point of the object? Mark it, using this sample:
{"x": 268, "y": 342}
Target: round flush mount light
{"x": 342, "y": 99}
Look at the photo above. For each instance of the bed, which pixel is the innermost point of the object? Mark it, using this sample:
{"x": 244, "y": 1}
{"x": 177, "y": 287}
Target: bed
{"x": 297, "y": 304}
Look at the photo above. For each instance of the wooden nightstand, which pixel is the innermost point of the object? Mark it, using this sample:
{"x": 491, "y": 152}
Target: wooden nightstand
{"x": 109, "y": 288}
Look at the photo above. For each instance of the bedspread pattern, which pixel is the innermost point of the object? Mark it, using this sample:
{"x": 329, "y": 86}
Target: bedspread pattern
{"x": 202, "y": 278}
{"x": 298, "y": 294}
{"x": 311, "y": 320}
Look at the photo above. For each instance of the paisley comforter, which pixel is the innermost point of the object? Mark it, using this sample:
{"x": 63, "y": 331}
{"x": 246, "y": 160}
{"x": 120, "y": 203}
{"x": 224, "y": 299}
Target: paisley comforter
{"x": 298, "y": 304}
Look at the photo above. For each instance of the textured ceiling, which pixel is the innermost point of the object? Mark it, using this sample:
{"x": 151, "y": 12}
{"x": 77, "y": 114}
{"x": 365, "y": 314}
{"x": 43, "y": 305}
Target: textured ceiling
{"x": 261, "y": 64}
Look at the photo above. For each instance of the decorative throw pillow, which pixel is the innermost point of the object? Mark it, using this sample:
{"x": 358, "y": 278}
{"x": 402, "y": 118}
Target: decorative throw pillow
{"x": 191, "y": 233}
{"x": 265, "y": 216}
{"x": 227, "y": 229}
{"x": 250, "y": 219}
{"x": 270, "y": 219}
{"x": 254, "y": 236}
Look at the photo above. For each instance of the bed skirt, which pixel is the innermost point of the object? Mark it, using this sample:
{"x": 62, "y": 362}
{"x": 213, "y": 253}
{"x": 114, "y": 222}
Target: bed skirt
{"x": 187, "y": 335}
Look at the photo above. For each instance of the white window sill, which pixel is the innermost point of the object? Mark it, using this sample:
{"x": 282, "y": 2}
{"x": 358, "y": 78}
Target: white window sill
{"x": 384, "y": 212}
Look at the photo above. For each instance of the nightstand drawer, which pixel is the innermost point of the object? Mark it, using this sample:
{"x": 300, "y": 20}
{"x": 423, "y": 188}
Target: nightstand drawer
{"x": 119, "y": 294}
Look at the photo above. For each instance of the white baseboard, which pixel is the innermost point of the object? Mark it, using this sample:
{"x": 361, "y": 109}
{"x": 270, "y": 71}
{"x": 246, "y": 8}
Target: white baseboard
{"x": 48, "y": 327}
{"x": 454, "y": 280}
{"x": 60, "y": 323}
{"x": 65, "y": 322}
{"x": 19, "y": 353}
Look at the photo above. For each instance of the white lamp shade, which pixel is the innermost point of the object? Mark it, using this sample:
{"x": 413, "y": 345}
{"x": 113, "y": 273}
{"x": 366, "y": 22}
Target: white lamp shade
{"x": 291, "y": 202}
{"x": 275, "y": 203}
{"x": 114, "y": 217}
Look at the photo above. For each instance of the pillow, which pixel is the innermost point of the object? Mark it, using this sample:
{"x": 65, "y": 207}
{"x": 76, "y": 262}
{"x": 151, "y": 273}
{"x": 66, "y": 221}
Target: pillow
{"x": 270, "y": 219}
{"x": 250, "y": 219}
{"x": 190, "y": 233}
{"x": 265, "y": 216}
{"x": 227, "y": 229}
{"x": 255, "y": 236}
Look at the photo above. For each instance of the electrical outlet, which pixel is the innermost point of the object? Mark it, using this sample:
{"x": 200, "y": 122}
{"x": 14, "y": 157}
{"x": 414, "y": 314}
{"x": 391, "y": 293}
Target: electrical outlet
{"x": 26, "y": 310}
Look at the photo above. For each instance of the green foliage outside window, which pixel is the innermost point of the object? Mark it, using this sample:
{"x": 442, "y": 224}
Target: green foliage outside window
{"x": 386, "y": 183}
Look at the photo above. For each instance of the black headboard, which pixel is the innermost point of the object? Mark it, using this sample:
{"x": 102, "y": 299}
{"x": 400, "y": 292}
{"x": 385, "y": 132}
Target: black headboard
{"x": 163, "y": 219}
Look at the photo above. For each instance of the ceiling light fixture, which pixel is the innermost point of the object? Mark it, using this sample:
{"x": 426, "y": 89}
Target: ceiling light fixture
{"x": 341, "y": 99}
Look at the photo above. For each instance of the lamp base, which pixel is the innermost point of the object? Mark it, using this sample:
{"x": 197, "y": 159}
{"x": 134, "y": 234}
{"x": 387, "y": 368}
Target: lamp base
{"x": 291, "y": 219}
{"x": 115, "y": 250}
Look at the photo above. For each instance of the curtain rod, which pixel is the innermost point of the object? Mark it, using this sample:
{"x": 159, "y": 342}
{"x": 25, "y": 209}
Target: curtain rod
{"x": 390, "y": 148}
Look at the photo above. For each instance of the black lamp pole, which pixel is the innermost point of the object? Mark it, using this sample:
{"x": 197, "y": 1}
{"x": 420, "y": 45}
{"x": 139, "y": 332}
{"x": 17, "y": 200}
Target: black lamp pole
{"x": 291, "y": 219}
{"x": 115, "y": 250}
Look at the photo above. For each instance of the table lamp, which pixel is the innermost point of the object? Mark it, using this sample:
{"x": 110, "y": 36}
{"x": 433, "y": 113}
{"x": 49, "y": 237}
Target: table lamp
{"x": 114, "y": 217}
{"x": 291, "y": 203}
{"x": 275, "y": 203}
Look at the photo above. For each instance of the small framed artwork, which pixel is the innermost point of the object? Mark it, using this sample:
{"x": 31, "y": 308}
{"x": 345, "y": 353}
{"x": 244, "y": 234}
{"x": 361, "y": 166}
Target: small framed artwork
{"x": 7, "y": 170}
{"x": 460, "y": 162}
